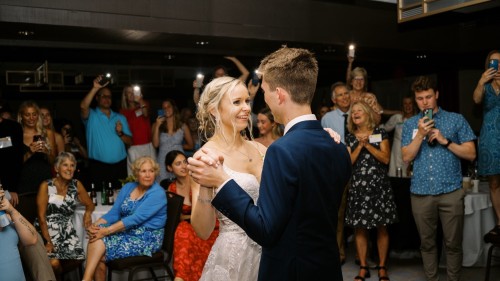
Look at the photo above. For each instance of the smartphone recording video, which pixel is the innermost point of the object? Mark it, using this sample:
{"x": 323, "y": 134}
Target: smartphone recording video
{"x": 105, "y": 78}
{"x": 161, "y": 113}
{"x": 255, "y": 78}
{"x": 493, "y": 64}
{"x": 37, "y": 138}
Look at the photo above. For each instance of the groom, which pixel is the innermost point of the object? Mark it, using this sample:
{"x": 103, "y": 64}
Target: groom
{"x": 304, "y": 174}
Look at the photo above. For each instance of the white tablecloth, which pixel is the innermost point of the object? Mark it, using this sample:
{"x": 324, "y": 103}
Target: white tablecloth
{"x": 478, "y": 220}
{"x": 82, "y": 235}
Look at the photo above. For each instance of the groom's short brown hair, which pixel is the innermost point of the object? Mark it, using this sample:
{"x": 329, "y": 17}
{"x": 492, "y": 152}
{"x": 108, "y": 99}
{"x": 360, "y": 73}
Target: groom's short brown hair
{"x": 295, "y": 70}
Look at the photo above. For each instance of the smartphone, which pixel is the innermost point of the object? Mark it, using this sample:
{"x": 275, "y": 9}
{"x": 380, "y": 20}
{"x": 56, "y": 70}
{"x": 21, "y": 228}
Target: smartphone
{"x": 161, "y": 113}
{"x": 137, "y": 93}
{"x": 37, "y": 138}
{"x": 255, "y": 78}
{"x": 105, "y": 78}
{"x": 428, "y": 113}
{"x": 199, "y": 80}
{"x": 493, "y": 64}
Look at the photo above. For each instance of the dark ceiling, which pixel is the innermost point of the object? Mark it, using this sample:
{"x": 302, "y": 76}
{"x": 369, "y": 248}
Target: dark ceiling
{"x": 76, "y": 49}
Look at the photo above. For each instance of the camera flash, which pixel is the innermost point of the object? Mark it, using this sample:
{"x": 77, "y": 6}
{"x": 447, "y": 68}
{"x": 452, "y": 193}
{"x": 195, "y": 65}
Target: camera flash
{"x": 137, "y": 88}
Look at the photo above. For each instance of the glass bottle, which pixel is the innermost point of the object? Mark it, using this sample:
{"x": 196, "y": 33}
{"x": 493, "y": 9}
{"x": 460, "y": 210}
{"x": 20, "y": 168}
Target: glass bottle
{"x": 110, "y": 194}
{"x": 93, "y": 195}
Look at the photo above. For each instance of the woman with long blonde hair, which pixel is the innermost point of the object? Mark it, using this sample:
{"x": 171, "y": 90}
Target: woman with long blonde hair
{"x": 39, "y": 148}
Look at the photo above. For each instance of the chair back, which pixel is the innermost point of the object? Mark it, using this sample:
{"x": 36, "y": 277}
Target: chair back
{"x": 27, "y": 206}
{"x": 174, "y": 210}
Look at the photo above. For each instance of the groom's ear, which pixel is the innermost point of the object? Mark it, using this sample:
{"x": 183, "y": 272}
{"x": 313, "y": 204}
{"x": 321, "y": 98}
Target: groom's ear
{"x": 281, "y": 94}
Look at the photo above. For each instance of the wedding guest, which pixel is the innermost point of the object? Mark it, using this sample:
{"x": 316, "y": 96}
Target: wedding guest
{"x": 190, "y": 251}
{"x": 135, "y": 224}
{"x": 488, "y": 92}
{"x": 170, "y": 133}
{"x": 19, "y": 230}
{"x": 48, "y": 123}
{"x": 370, "y": 201}
{"x": 136, "y": 110}
{"x": 39, "y": 148}
{"x": 268, "y": 129}
{"x": 396, "y": 123}
{"x": 436, "y": 189}
{"x": 56, "y": 201}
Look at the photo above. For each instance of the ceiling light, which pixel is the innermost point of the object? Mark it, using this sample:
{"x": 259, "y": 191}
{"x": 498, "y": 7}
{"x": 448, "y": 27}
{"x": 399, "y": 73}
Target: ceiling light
{"x": 25, "y": 32}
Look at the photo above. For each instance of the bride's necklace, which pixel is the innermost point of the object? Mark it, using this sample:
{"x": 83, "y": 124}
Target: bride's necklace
{"x": 250, "y": 159}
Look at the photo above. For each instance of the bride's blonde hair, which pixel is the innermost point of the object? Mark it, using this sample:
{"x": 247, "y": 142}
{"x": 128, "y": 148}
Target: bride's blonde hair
{"x": 208, "y": 107}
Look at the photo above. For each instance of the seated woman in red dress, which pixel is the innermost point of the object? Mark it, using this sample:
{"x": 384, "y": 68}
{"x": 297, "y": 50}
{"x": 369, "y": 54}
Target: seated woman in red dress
{"x": 190, "y": 251}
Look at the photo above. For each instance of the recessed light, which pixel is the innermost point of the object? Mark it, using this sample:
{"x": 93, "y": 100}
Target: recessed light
{"x": 25, "y": 32}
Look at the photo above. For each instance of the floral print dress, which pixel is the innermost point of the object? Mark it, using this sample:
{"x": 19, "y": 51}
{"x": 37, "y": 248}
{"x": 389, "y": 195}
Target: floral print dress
{"x": 370, "y": 201}
{"x": 59, "y": 217}
{"x": 136, "y": 241}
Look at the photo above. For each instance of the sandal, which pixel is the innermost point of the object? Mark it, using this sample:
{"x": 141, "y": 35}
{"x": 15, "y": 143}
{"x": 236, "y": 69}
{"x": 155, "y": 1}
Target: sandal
{"x": 379, "y": 268}
{"x": 367, "y": 273}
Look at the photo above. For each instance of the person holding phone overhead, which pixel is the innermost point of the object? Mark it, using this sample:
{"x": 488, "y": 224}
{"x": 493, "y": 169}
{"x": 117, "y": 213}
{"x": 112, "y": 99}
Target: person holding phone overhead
{"x": 136, "y": 110}
{"x": 108, "y": 135}
{"x": 488, "y": 93}
{"x": 170, "y": 133}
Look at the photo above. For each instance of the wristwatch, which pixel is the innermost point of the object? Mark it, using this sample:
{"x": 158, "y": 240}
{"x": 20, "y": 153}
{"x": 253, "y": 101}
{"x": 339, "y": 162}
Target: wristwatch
{"x": 448, "y": 143}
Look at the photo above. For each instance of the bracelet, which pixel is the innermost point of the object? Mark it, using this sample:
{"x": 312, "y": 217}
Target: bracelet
{"x": 448, "y": 143}
{"x": 108, "y": 232}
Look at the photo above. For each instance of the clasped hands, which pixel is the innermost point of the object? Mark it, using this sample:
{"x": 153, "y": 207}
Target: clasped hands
{"x": 205, "y": 167}
{"x": 94, "y": 232}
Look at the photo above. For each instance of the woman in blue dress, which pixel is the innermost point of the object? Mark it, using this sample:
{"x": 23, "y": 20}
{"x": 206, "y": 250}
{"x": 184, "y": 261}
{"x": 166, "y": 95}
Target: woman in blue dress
{"x": 134, "y": 225}
{"x": 18, "y": 230}
{"x": 488, "y": 93}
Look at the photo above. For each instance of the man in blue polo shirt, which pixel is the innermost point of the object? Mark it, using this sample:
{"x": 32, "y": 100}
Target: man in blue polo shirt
{"x": 435, "y": 146}
{"x": 107, "y": 135}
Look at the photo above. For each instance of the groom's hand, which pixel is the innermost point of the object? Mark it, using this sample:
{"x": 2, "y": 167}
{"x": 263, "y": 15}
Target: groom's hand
{"x": 205, "y": 170}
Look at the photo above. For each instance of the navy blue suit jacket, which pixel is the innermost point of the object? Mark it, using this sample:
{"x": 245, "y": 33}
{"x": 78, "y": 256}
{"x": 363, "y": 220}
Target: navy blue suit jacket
{"x": 295, "y": 219}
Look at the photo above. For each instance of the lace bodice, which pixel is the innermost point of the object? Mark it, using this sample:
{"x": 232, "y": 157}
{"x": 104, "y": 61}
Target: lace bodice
{"x": 234, "y": 256}
{"x": 249, "y": 183}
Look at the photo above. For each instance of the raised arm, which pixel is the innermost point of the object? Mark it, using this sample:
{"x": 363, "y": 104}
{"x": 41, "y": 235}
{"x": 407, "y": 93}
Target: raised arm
{"x": 243, "y": 70}
{"x": 479, "y": 90}
{"x": 25, "y": 230}
{"x": 87, "y": 100}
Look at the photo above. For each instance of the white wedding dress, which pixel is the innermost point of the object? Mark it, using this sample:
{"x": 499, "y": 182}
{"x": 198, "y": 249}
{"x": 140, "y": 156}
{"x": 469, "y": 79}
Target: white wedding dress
{"x": 234, "y": 256}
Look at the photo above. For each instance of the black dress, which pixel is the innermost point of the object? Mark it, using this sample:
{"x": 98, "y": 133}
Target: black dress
{"x": 34, "y": 171}
{"x": 370, "y": 201}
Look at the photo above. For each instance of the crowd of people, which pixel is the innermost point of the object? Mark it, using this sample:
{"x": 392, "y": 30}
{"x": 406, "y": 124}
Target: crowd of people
{"x": 273, "y": 207}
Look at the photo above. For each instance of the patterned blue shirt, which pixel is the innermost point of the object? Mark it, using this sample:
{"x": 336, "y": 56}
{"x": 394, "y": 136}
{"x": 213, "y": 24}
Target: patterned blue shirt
{"x": 436, "y": 170}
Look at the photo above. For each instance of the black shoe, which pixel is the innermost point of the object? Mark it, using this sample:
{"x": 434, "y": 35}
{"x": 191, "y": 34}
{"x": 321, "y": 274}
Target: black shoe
{"x": 342, "y": 262}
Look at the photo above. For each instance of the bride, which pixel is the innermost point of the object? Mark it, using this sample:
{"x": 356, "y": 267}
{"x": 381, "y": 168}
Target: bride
{"x": 223, "y": 113}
